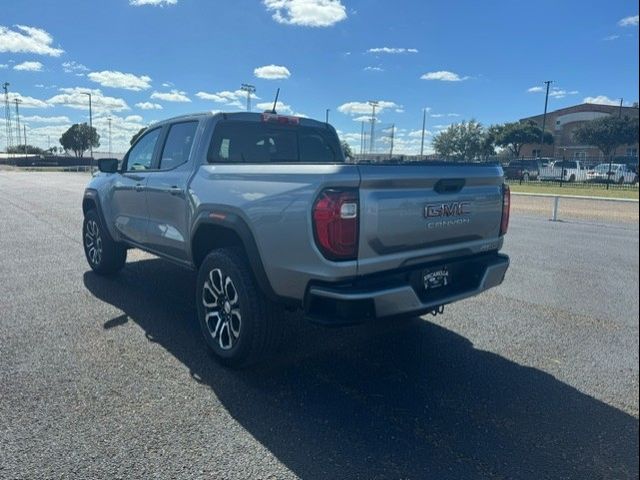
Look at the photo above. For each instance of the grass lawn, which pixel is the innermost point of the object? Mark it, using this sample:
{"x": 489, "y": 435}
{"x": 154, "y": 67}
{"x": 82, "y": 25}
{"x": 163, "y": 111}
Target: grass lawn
{"x": 586, "y": 191}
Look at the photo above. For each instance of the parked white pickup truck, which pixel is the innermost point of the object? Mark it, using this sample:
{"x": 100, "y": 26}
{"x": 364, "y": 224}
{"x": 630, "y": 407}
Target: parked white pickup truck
{"x": 565, "y": 170}
{"x": 614, "y": 173}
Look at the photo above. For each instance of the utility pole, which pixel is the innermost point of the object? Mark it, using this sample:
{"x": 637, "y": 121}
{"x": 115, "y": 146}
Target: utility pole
{"x": 393, "y": 126}
{"x": 25, "y": 140}
{"x": 245, "y": 87}
{"x": 7, "y": 116}
{"x": 361, "y": 139}
{"x": 620, "y": 109}
{"x": 544, "y": 116}
{"x": 373, "y": 104}
{"x": 424, "y": 122}
{"x": 109, "y": 119}
{"x": 18, "y": 101}
{"x": 90, "y": 131}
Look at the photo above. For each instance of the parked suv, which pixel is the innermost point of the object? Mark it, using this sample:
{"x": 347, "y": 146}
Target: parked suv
{"x": 264, "y": 207}
{"x": 523, "y": 170}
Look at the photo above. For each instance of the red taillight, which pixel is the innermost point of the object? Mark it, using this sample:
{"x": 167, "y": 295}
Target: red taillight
{"x": 335, "y": 221}
{"x": 506, "y": 209}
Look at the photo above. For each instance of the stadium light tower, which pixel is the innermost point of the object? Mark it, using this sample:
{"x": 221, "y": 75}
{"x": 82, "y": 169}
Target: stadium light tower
{"x": 374, "y": 104}
{"x": 245, "y": 87}
{"x": 7, "y": 116}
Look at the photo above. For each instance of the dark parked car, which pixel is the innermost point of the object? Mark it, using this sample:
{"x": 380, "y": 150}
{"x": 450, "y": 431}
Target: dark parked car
{"x": 523, "y": 169}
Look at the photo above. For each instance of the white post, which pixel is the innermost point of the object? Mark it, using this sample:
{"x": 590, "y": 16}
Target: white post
{"x": 556, "y": 203}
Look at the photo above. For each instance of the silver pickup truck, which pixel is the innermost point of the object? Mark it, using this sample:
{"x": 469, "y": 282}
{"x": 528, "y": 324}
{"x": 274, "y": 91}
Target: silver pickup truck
{"x": 266, "y": 210}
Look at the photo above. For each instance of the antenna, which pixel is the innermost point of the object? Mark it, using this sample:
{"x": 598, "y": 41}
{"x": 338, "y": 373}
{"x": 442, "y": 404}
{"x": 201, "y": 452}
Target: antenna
{"x": 275, "y": 102}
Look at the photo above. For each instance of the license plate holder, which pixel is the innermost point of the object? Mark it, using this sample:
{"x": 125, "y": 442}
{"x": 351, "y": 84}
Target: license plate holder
{"x": 435, "y": 278}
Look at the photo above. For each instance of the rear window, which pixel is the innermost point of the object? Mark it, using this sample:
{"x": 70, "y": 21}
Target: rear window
{"x": 566, "y": 164}
{"x": 262, "y": 142}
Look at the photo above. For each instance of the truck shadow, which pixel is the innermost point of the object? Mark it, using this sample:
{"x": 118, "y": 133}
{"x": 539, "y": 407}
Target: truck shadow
{"x": 405, "y": 400}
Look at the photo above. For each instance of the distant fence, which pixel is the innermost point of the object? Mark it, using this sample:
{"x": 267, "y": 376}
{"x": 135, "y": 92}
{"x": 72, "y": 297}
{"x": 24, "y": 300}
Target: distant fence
{"x": 45, "y": 161}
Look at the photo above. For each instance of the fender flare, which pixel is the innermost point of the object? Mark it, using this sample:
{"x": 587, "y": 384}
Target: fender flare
{"x": 227, "y": 218}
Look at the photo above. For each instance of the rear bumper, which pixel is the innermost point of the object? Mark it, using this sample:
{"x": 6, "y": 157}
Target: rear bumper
{"x": 400, "y": 292}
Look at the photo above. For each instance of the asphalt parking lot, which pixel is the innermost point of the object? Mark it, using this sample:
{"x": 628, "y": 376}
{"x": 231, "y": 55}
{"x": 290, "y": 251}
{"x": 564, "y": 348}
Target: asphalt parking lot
{"x": 108, "y": 378}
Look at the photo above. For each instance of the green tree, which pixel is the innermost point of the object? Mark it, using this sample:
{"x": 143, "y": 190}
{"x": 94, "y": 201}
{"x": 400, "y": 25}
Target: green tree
{"x": 346, "y": 149}
{"x": 79, "y": 138}
{"x": 463, "y": 141}
{"x": 19, "y": 149}
{"x": 515, "y": 135}
{"x": 608, "y": 133}
{"x": 137, "y": 135}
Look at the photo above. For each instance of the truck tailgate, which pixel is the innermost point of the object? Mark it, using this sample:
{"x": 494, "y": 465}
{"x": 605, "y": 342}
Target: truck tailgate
{"x": 412, "y": 214}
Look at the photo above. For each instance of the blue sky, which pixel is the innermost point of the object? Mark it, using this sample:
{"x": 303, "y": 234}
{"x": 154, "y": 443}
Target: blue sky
{"x": 145, "y": 60}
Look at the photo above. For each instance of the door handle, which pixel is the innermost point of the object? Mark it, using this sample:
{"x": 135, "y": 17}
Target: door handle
{"x": 175, "y": 190}
{"x": 139, "y": 187}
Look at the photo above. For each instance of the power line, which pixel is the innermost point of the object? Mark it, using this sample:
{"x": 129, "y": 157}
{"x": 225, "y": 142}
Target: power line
{"x": 245, "y": 87}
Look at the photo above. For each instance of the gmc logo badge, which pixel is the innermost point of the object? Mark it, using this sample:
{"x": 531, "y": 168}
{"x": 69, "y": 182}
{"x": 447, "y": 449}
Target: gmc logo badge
{"x": 455, "y": 209}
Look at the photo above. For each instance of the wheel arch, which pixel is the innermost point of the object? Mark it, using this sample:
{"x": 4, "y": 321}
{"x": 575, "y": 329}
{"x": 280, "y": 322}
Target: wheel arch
{"x": 227, "y": 229}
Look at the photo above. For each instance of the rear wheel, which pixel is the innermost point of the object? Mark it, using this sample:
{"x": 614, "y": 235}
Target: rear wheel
{"x": 240, "y": 325}
{"x": 572, "y": 178}
{"x": 105, "y": 256}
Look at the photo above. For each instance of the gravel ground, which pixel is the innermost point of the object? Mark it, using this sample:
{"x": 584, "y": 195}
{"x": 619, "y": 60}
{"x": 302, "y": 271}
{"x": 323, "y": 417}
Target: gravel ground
{"x": 108, "y": 378}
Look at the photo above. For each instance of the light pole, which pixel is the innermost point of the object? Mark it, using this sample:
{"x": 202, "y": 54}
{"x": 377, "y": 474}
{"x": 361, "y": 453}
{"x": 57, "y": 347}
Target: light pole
{"x": 109, "y": 136}
{"x": 90, "y": 131}
{"x": 245, "y": 87}
{"x": 544, "y": 116}
{"x": 424, "y": 122}
{"x": 373, "y": 104}
{"x": 18, "y": 101}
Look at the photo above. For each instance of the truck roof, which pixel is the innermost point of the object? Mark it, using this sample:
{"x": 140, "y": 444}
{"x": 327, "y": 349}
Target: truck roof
{"x": 247, "y": 116}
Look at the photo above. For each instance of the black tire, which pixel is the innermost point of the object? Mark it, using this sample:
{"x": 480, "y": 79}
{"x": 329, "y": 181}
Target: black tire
{"x": 105, "y": 256}
{"x": 239, "y": 324}
{"x": 572, "y": 178}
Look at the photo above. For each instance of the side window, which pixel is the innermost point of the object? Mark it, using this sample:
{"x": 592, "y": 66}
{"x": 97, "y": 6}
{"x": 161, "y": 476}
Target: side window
{"x": 177, "y": 147}
{"x": 141, "y": 155}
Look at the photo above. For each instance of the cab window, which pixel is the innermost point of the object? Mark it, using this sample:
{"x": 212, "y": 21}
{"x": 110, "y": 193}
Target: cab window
{"x": 140, "y": 157}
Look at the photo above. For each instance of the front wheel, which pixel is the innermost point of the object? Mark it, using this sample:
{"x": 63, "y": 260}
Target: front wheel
{"x": 105, "y": 256}
{"x": 240, "y": 325}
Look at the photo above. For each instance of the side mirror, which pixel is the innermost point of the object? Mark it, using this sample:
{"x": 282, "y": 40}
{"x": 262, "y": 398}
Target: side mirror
{"x": 108, "y": 165}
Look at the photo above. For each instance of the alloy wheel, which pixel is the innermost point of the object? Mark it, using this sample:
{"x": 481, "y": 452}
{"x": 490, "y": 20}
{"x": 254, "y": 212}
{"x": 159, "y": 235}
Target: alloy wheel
{"x": 222, "y": 309}
{"x": 93, "y": 242}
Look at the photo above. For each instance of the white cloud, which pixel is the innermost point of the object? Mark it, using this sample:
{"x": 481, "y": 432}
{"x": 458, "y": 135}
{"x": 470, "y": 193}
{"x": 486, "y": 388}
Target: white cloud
{"x": 307, "y": 13}
{"x": 418, "y": 134}
{"x": 172, "y": 96}
{"x": 3, "y": 65}
{"x": 168, "y": 84}
{"x": 122, "y": 129}
{"x": 76, "y": 98}
{"x": 133, "y": 118}
{"x": 149, "y": 106}
{"x": 126, "y": 81}
{"x": 280, "y": 107}
{"x": 443, "y": 76}
{"x": 27, "y": 40}
{"x": 272, "y": 72}
{"x": 39, "y": 119}
{"x": 601, "y": 100}
{"x": 365, "y": 118}
{"x": 392, "y": 50}
{"x": 609, "y": 38}
{"x": 373, "y": 69}
{"x": 631, "y": 21}
{"x": 28, "y": 66}
{"x": 360, "y": 108}
{"x": 554, "y": 92}
{"x": 235, "y": 99}
{"x": 73, "y": 66}
{"x": 29, "y": 102}
{"x": 155, "y": 3}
